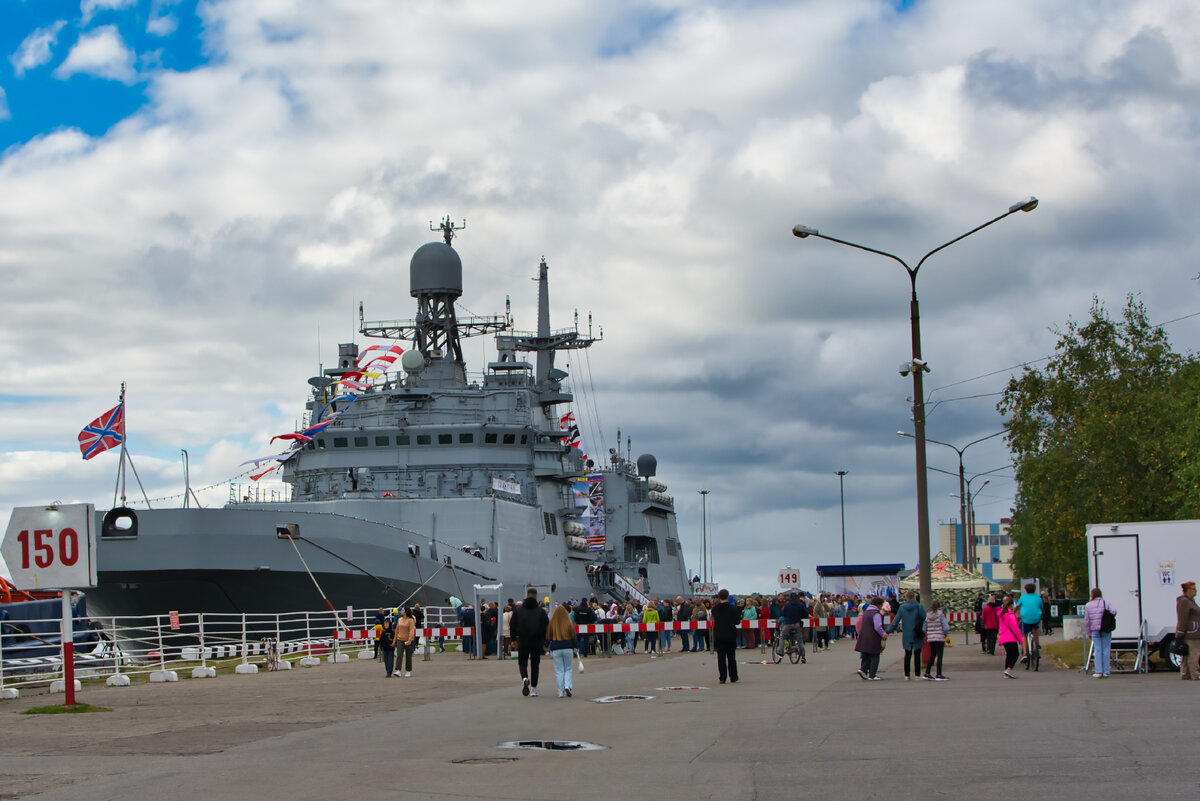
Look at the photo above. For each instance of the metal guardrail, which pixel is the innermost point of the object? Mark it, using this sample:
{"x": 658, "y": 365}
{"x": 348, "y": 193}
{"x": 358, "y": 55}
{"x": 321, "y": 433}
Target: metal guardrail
{"x": 154, "y": 646}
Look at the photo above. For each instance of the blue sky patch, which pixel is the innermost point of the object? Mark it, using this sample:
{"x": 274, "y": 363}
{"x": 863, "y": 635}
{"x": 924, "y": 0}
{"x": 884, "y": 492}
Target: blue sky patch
{"x": 86, "y": 66}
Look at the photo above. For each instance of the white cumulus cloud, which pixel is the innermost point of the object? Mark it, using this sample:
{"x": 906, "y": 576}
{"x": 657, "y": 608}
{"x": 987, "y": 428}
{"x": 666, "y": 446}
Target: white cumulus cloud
{"x": 36, "y": 49}
{"x": 90, "y": 7}
{"x": 101, "y": 53}
{"x": 658, "y": 159}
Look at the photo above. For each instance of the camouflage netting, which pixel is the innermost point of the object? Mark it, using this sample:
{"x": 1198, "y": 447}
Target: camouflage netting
{"x": 953, "y": 585}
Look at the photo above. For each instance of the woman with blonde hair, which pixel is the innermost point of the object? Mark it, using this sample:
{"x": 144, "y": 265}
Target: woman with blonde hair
{"x": 561, "y": 640}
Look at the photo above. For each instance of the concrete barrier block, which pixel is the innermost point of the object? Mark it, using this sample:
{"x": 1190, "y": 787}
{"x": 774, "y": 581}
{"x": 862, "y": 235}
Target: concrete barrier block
{"x": 309, "y": 661}
{"x": 9, "y": 693}
{"x": 246, "y": 668}
{"x": 283, "y": 664}
{"x": 119, "y": 680}
{"x": 339, "y": 658}
{"x": 204, "y": 673}
{"x": 159, "y": 676}
{"x": 60, "y": 686}
{"x": 366, "y": 654}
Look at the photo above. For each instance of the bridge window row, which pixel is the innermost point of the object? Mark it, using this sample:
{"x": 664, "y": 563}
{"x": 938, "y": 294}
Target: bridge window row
{"x": 381, "y": 441}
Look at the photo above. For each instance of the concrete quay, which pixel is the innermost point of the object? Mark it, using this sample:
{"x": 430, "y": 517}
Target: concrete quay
{"x": 784, "y": 731}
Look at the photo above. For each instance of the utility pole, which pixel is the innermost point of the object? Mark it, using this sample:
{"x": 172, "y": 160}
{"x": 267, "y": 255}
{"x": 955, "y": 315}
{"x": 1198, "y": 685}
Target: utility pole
{"x": 841, "y": 474}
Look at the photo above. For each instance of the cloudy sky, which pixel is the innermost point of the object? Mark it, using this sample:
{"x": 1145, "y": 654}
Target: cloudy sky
{"x": 194, "y": 198}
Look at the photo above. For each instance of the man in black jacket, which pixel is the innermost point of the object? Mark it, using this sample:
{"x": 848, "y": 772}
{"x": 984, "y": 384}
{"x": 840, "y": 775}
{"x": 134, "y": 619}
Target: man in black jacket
{"x": 584, "y": 616}
{"x": 795, "y": 612}
{"x": 683, "y": 612}
{"x": 725, "y": 622}
{"x": 528, "y": 626}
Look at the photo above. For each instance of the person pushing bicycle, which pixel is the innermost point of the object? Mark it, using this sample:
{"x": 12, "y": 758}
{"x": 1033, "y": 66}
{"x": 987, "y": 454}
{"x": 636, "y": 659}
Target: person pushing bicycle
{"x": 1029, "y": 610}
{"x": 795, "y": 612}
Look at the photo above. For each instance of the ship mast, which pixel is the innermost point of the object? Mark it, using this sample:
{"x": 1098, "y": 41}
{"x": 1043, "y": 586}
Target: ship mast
{"x": 435, "y": 280}
{"x": 545, "y": 342}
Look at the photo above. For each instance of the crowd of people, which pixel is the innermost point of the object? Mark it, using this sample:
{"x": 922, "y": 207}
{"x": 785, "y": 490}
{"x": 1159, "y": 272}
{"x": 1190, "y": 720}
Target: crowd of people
{"x": 1004, "y": 619}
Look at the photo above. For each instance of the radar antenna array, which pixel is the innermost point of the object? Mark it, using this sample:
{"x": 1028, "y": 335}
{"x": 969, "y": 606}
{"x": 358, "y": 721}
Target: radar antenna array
{"x": 447, "y": 228}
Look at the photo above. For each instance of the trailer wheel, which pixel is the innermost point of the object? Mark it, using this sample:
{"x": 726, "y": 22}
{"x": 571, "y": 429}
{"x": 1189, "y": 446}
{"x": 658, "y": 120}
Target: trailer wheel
{"x": 1174, "y": 660}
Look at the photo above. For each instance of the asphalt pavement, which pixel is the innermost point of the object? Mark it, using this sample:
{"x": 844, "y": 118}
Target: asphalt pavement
{"x": 784, "y": 731}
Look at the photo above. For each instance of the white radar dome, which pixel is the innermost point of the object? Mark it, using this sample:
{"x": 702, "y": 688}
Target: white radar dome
{"x": 413, "y": 361}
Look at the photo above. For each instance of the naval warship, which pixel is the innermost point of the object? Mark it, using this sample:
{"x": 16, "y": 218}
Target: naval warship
{"x": 415, "y": 484}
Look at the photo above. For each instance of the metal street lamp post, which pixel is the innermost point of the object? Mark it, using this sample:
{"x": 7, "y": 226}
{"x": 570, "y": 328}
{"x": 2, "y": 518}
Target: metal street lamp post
{"x": 918, "y": 368}
{"x": 971, "y": 504}
{"x": 971, "y": 512}
{"x": 704, "y": 535}
{"x": 973, "y": 551}
{"x": 965, "y": 554}
{"x": 841, "y": 474}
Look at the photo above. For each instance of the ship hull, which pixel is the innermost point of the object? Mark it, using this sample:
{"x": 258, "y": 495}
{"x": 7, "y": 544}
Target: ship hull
{"x": 293, "y": 556}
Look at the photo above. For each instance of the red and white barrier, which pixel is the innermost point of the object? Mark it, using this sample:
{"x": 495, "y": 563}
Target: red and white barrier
{"x": 753, "y": 625}
{"x": 467, "y": 631}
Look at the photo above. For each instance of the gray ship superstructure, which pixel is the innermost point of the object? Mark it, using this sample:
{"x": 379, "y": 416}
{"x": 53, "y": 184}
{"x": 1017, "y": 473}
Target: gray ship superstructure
{"x": 418, "y": 482}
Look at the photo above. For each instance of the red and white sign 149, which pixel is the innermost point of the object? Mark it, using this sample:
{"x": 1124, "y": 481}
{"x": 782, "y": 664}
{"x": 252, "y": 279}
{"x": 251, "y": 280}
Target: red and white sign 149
{"x": 789, "y": 577}
{"x": 51, "y": 547}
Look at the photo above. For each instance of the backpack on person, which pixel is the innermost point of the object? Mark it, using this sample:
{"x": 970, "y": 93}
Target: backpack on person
{"x": 1108, "y": 621}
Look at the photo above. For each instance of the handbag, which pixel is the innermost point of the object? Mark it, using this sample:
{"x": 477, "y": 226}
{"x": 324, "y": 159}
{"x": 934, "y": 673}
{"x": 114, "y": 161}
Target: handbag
{"x": 580, "y": 657}
{"x": 1179, "y": 646}
{"x": 1108, "y": 621}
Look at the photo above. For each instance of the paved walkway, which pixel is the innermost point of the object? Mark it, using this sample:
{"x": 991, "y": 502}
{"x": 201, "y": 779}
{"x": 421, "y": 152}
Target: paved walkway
{"x": 784, "y": 731}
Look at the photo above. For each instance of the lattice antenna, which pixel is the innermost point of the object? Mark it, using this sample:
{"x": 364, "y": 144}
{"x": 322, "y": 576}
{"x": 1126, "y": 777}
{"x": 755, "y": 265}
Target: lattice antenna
{"x": 447, "y": 228}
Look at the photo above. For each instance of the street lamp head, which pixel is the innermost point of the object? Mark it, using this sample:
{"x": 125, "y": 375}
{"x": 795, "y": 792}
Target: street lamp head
{"x": 903, "y": 434}
{"x": 1028, "y": 204}
{"x": 803, "y": 230}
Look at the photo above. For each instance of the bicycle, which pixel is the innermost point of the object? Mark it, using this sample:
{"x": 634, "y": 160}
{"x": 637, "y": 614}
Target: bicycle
{"x": 1033, "y": 651}
{"x": 789, "y": 646}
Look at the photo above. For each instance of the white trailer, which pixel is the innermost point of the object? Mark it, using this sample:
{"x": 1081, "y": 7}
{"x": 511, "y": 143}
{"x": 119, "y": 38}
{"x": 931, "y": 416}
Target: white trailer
{"x": 1138, "y": 567}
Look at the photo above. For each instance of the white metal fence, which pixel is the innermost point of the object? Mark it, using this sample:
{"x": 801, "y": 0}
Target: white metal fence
{"x": 157, "y": 645}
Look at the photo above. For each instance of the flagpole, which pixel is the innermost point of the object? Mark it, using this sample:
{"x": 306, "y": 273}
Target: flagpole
{"x": 124, "y": 437}
{"x": 118, "y": 488}
{"x": 126, "y": 458}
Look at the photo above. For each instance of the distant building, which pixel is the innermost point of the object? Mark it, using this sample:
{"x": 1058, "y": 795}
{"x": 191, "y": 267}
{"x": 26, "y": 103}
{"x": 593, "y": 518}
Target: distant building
{"x": 993, "y": 548}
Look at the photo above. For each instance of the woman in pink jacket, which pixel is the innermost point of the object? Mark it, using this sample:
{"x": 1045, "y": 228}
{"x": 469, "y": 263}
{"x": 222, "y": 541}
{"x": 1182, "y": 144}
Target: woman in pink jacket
{"x": 1093, "y": 615}
{"x": 1010, "y": 636}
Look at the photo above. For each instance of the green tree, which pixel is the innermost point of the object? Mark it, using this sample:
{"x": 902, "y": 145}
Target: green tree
{"x": 1098, "y": 436}
{"x": 1187, "y": 477}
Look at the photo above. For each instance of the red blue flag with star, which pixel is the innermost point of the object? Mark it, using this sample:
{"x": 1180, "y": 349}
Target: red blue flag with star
{"x": 106, "y": 431}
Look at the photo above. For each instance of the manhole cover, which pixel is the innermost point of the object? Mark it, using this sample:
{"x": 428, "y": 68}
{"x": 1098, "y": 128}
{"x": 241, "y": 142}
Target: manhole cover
{"x": 553, "y": 745}
{"x": 484, "y": 761}
{"x": 612, "y": 699}
{"x": 681, "y": 688}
